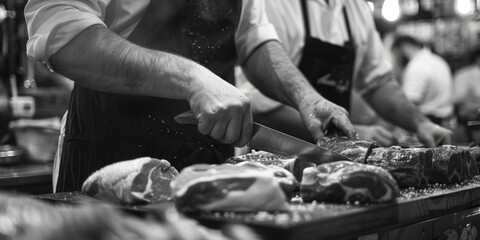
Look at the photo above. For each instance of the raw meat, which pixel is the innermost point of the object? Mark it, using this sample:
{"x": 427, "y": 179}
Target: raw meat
{"x": 346, "y": 181}
{"x": 287, "y": 181}
{"x": 448, "y": 166}
{"x": 270, "y": 159}
{"x": 227, "y": 187}
{"x": 356, "y": 150}
{"x": 142, "y": 180}
{"x": 265, "y": 158}
{"x": 411, "y": 167}
{"x": 452, "y": 164}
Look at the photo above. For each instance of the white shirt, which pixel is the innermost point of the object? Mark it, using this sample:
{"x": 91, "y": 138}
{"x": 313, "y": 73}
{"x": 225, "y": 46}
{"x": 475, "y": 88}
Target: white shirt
{"x": 327, "y": 23}
{"x": 53, "y": 23}
{"x": 427, "y": 82}
{"x": 467, "y": 84}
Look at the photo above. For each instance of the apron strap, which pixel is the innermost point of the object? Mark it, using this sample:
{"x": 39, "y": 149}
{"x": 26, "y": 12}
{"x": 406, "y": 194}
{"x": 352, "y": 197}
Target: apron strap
{"x": 347, "y": 24}
{"x": 306, "y": 22}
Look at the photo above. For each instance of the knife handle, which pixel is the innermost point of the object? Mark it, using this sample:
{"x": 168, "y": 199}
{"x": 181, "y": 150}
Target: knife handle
{"x": 187, "y": 117}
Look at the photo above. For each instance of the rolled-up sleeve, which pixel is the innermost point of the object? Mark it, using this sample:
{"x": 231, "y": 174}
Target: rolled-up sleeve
{"x": 254, "y": 28}
{"x": 51, "y": 24}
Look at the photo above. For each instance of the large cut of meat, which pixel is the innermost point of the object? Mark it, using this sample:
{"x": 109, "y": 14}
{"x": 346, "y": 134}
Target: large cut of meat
{"x": 287, "y": 181}
{"x": 356, "y": 150}
{"x": 142, "y": 180}
{"x": 452, "y": 165}
{"x": 265, "y": 158}
{"x": 475, "y": 152}
{"x": 411, "y": 167}
{"x": 447, "y": 166}
{"x": 473, "y": 159}
{"x": 273, "y": 160}
{"x": 346, "y": 181}
{"x": 227, "y": 187}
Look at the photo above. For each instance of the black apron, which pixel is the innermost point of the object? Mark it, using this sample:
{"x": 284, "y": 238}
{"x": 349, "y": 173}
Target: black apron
{"x": 104, "y": 128}
{"x": 328, "y": 67}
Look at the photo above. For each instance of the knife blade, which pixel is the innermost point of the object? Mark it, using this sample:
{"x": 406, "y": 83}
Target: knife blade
{"x": 271, "y": 140}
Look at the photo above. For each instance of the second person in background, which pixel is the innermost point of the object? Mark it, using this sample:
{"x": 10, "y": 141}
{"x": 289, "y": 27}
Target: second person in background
{"x": 336, "y": 46}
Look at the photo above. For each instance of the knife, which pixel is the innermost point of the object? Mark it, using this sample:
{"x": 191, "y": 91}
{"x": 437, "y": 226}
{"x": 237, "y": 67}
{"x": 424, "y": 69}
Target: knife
{"x": 273, "y": 141}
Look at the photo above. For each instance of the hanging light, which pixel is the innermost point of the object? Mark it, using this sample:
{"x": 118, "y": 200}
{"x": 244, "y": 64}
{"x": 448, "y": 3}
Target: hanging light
{"x": 391, "y": 10}
{"x": 464, "y": 7}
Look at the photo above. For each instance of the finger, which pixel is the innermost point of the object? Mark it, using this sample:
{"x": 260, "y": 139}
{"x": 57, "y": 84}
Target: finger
{"x": 232, "y": 131}
{"x": 205, "y": 125}
{"x": 218, "y": 130}
{"x": 246, "y": 130}
{"x": 449, "y": 140}
{"x": 315, "y": 128}
{"x": 387, "y": 137}
{"x": 445, "y": 139}
{"x": 343, "y": 123}
{"x": 429, "y": 142}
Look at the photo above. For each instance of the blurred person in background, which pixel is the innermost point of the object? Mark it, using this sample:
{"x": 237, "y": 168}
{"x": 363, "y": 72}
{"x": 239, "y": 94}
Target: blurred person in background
{"x": 336, "y": 46}
{"x": 467, "y": 90}
{"x": 426, "y": 79}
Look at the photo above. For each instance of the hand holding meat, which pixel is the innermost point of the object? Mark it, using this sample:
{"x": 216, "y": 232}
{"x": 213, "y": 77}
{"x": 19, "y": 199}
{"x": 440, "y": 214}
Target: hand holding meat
{"x": 376, "y": 133}
{"x": 433, "y": 135}
{"x": 223, "y": 112}
{"x": 320, "y": 115}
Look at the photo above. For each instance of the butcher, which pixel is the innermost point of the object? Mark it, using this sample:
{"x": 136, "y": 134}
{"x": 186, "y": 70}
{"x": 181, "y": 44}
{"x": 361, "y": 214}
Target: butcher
{"x": 138, "y": 63}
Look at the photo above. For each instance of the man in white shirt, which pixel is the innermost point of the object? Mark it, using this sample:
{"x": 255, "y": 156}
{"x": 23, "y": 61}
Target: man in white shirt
{"x": 337, "y": 47}
{"x": 467, "y": 90}
{"x": 426, "y": 79}
{"x": 137, "y": 64}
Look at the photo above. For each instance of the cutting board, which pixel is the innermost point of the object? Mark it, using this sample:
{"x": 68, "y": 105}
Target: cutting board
{"x": 341, "y": 221}
{"x": 314, "y": 221}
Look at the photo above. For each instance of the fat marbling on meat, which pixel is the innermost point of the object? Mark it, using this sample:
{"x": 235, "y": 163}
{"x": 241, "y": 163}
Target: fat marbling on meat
{"x": 141, "y": 180}
{"x": 411, "y": 167}
{"x": 227, "y": 187}
{"x": 356, "y": 150}
{"x": 346, "y": 181}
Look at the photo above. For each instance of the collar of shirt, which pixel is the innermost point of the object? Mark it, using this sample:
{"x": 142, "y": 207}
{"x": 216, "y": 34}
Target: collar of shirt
{"x": 327, "y": 21}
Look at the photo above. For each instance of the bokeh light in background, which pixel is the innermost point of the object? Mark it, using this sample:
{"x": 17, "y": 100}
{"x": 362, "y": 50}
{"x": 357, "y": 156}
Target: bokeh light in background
{"x": 391, "y": 10}
{"x": 464, "y": 7}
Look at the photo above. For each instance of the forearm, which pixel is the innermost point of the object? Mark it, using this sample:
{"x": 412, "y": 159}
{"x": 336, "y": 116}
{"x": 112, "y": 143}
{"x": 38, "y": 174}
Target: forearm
{"x": 391, "y": 103}
{"x": 274, "y": 74}
{"x": 99, "y": 59}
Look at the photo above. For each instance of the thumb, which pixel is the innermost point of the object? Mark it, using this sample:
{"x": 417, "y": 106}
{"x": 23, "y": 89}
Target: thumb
{"x": 315, "y": 128}
{"x": 428, "y": 141}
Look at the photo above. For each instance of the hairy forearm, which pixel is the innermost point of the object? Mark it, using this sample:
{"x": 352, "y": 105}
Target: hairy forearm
{"x": 391, "y": 103}
{"x": 99, "y": 59}
{"x": 274, "y": 74}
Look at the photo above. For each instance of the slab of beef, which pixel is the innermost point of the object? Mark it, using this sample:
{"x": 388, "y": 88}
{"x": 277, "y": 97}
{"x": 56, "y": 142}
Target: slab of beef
{"x": 287, "y": 181}
{"x": 452, "y": 165}
{"x": 142, "y": 180}
{"x": 356, "y": 150}
{"x": 475, "y": 156}
{"x": 265, "y": 158}
{"x": 470, "y": 166}
{"x": 448, "y": 166}
{"x": 411, "y": 167}
{"x": 345, "y": 181}
{"x": 475, "y": 152}
{"x": 270, "y": 159}
{"x": 227, "y": 187}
